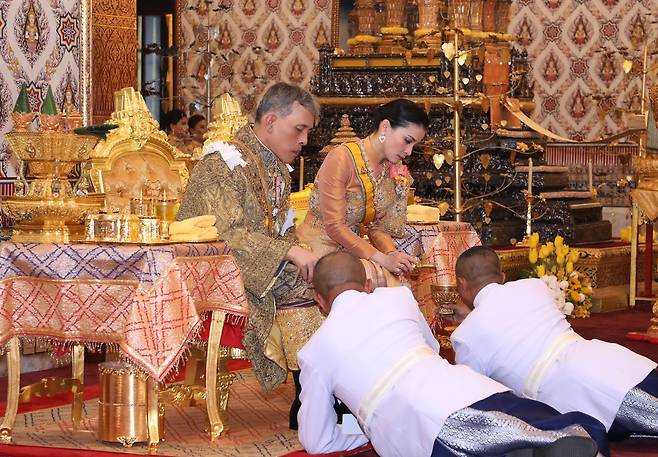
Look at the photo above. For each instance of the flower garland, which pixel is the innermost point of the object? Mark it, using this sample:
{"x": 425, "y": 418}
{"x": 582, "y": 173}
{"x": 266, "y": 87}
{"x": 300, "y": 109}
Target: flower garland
{"x": 553, "y": 263}
{"x": 400, "y": 174}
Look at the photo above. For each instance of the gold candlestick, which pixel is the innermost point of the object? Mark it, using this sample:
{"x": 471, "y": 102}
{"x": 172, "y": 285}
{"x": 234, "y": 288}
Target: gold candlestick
{"x": 528, "y": 218}
{"x": 456, "y": 124}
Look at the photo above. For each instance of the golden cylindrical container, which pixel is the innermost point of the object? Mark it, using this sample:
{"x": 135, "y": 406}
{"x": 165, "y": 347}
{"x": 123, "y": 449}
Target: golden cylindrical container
{"x": 149, "y": 229}
{"x": 167, "y": 209}
{"x": 142, "y": 206}
{"x": 122, "y": 406}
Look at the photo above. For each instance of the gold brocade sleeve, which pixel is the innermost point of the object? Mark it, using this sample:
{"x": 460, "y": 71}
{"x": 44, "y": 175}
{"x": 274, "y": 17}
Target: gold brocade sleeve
{"x": 333, "y": 179}
{"x": 215, "y": 189}
{"x": 393, "y": 219}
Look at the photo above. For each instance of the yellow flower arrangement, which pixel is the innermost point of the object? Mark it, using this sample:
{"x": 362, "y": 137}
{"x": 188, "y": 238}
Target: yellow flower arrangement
{"x": 554, "y": 263}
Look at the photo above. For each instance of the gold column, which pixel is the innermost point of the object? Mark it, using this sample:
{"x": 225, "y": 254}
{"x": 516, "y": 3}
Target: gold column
{"x": 13, "y": 386}
{"x": 635, "y": 221}
{"x": 114, "y": 53}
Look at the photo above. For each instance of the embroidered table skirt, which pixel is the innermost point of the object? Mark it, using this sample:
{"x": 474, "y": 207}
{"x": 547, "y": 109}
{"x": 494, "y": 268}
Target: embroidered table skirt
{"x": 440, "y": 245}
{"x": 146, "y": 299}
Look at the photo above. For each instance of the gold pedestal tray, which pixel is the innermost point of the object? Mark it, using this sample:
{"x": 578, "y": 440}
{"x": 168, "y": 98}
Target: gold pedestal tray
{"x": 47, "y": 208}
{"x": 50, "y": 220}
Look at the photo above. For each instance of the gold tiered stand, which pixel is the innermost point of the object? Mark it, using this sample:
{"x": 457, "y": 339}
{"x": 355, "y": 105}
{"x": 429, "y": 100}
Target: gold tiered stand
{"x": 48, "y": 208}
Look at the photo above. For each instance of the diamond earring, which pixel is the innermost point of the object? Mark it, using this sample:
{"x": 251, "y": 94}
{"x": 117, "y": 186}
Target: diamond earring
{"x": 382, "y": 138}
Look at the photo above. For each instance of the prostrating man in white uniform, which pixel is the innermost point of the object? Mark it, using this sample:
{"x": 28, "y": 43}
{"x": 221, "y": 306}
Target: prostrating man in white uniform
{"x": 516, "y": 335}
{"x": 376, "y": 353}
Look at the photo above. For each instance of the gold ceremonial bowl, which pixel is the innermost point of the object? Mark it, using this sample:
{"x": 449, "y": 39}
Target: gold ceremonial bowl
{"x": 51, "y": 154}
{"x": 53, "y": 220}
{"x": 62, "y": 211}
{"x": 445, "y": 296}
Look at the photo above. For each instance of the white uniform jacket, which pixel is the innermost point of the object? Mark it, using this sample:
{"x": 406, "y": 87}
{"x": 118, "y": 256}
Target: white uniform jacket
{"x": 361, "y": 339}
{"x": 512, "y": 328}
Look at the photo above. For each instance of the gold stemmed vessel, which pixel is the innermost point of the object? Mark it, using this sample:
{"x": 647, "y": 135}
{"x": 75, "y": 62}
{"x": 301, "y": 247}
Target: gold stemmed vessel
{"x": 444, "y": 296}
{"x": 48, "y": 208}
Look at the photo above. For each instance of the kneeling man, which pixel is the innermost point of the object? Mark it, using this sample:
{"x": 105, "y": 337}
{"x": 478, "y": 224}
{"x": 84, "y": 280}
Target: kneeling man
{"x": 376, "y": 353}
{"x": 516, "y": 335}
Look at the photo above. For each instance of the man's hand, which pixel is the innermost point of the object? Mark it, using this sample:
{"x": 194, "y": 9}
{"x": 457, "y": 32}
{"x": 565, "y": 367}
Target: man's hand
{"x": 303, "y": 259}
{"x": 461, "y": 310}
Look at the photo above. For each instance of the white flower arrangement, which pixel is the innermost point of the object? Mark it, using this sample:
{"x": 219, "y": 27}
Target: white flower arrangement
{"x": 558, "y": 289}
{"x": 230, "y": 154}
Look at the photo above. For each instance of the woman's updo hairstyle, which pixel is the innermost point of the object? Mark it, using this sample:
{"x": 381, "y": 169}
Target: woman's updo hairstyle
{"x": 400, "y": 113}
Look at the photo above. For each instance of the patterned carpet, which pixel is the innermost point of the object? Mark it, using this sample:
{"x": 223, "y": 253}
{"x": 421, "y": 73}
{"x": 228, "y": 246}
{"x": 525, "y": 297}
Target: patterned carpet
{"x": 259, "y": 426}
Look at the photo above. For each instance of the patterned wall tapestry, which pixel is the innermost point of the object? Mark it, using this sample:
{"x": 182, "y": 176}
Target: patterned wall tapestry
{"x": 255, "y": 42}
{"x": 39, "y": 45}
{"x": 576, "y": 83}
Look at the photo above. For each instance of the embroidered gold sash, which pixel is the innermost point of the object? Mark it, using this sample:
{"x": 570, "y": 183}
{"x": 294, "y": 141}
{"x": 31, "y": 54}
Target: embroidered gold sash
{"x": 366, "y": 182}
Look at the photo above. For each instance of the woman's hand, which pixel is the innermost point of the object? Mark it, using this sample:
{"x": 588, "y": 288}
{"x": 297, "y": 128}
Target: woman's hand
{"x": 396, "y": 262}
{"x": 303, "y": 259}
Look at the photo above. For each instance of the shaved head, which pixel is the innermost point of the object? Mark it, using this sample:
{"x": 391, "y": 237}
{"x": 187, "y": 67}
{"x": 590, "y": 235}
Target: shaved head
{"x": 336, "y": 269}
{"x": 478, "y": 264}
{"x": 476, "y": 268}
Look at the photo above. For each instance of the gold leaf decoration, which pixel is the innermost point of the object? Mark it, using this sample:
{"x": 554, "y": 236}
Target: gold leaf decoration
{"x": 448, "y": 50}
{"x": 484, "y": 160}
{"x": 438, "y": 160}
{"x": 627, "y": 65}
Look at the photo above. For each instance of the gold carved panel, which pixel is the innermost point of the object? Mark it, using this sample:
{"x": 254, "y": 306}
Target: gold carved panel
{"x": 114, "y": 52}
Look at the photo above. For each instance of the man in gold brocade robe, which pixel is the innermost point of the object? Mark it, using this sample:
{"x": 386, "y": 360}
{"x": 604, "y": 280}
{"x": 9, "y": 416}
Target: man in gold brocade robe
{"x": 246, "y": 184}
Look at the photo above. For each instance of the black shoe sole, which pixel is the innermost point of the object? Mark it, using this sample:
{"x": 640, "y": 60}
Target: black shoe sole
{"x": 569, "y": 446}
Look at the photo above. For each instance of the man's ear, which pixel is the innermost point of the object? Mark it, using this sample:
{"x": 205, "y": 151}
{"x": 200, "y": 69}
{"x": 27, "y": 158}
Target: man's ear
{"x": 462, "y": 284}
{"x": 322, "y": 303}
{"x": 268, "y": 120}
{"x": 503, "y": 277}
{"x": 369, "y": 285}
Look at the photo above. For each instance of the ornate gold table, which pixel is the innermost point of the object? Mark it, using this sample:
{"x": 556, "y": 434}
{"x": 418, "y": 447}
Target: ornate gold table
{"x": 437, "y": 246}
{"x": 148, "y": 301}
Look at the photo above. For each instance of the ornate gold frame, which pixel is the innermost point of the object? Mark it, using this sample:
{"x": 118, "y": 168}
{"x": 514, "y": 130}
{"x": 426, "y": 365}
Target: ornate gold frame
{"x": 137, "y": 133}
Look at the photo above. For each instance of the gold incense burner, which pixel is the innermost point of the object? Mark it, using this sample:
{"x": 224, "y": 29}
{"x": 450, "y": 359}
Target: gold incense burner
{"x": 48, "y": 208}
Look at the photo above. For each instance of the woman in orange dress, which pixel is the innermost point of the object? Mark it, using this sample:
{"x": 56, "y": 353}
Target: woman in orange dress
{"x": 362, "y": 187}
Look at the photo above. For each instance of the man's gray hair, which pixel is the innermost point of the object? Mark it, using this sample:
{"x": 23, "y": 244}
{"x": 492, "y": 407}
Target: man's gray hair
{"x": 280, "y": 97}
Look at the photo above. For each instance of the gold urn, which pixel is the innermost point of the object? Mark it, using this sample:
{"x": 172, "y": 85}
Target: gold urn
{"x": 47, "y": 208}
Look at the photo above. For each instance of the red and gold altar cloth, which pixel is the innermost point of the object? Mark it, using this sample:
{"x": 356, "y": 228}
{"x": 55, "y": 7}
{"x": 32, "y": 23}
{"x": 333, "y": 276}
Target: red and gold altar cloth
{"x": 440, "y": 245}
{"x": 149, "y": 300}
